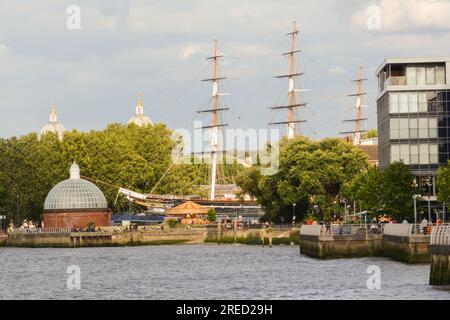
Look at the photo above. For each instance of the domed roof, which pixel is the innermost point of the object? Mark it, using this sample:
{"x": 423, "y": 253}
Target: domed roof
{"x": 139, "y": 118}
{"x": 75, "y": 193}
{"x": 53, "y": 125}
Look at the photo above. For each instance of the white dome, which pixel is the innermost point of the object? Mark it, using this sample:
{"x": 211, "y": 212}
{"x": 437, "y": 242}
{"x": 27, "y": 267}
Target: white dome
{"x": 55, "y": 127}
{"x": 141, "y": 120}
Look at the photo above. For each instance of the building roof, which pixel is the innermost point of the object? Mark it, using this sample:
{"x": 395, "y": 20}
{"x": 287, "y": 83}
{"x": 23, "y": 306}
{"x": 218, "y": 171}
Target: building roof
{"x": 53, "y": 125}
{"x": 75, "y": 193}
{"x": 371, "y": 151}
{"x": 406, "y": 60}
{"x": 188, "y": 207}
{"x": 139, "y": 118}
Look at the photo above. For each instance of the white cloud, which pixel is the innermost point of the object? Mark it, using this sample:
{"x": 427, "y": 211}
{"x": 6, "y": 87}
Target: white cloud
{"x": 189, "y": 51}
{"x": 337, "y": 71}
{"x": 408, "y": 15}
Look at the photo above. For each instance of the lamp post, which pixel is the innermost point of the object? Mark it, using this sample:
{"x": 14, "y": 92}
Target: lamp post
{"x": 293, "y": 213}
{"x": 429, "y": 199}
{"x": 415, "y": 210}
{"x": 17, "y": 211}
{"x": 443, "y": 212}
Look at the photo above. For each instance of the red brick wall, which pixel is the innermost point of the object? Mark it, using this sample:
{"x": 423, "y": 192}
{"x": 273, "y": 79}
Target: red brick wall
{"x": 73, "y": 218}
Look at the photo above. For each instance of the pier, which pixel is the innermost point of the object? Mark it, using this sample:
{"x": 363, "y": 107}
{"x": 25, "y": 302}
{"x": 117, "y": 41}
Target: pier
{"x": 402, "y": 242}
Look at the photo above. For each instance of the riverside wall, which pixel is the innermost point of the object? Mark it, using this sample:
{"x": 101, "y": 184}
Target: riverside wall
{"x": 396, "y": 243}
{"x": 149, "y": 237}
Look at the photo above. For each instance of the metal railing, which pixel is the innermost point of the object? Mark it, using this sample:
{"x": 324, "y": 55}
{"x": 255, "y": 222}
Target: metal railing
{"x": 396, "y": 81}
{"x": 340, "y": 229}
{"x": 389, "y": 229}
{"x": 440, "y": 235}
{"x": 42, "y": 231}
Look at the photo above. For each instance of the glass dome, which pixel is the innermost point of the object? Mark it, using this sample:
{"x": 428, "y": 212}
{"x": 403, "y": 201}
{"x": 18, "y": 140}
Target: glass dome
{"x": 75, "y": 193}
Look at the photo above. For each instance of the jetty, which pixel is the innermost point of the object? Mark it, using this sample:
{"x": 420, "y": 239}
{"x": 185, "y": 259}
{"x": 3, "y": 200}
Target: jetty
{"x": 403, "y": 242}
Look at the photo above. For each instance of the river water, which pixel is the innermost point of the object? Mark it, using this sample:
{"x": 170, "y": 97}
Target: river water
{"x": 204, "y": 272}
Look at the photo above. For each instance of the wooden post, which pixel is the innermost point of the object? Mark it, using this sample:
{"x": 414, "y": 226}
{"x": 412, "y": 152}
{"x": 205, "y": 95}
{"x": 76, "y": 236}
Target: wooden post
{"x": 218, "y": 232}
{"x": 270, "y": 239}
{"x": 234, "y": 234}
{"x": 262, "y": 237}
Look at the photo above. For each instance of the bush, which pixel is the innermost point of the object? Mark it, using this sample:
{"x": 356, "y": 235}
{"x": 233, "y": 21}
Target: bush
{"x": 172, "y": 223}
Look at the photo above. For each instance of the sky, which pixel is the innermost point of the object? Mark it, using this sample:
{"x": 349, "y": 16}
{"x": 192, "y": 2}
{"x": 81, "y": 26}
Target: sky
{"x": 158, "y": 49}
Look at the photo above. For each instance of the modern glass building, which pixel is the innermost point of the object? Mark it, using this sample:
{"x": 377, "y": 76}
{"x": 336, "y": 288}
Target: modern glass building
{"x": 413, "y": 109}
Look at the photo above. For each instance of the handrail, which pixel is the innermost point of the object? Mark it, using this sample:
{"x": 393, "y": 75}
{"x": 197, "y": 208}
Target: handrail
{"x": 440, "y": 235}
{"x": 41, "y": 230}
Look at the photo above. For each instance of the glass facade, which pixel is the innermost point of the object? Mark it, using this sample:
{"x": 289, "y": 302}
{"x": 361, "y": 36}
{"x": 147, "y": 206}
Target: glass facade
{"x": 414, "y": 118}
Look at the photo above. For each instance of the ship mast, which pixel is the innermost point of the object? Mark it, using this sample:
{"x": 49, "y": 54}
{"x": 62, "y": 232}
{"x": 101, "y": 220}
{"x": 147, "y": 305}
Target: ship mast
{"x": 215, "y": 125}
{"x": 356, "y": 133}
{"x": 293, "y": 103}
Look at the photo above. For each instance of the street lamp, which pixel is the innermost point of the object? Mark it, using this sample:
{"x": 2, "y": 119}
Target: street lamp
{"x": 443, "y": 212}
{"x": 293, "y": 213}
{"x": 429, "y": 198}
{"x": 415, "y": 209}
{"x": 17, "y": 210}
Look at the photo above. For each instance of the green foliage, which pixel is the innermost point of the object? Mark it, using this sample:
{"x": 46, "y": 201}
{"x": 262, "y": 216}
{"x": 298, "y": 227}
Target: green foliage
{"x": 366, "y": 189}
{"x": 311, "y": 173}
{"x": 372, "y": 133}
{"x": 122, "y": 155}
{"x": 172, "y": 223}
{"x": 211, "y": 215}
{"x": 443, "y": 183}
{"x": 397, "y": 188}
{"x": 390, "y": 191}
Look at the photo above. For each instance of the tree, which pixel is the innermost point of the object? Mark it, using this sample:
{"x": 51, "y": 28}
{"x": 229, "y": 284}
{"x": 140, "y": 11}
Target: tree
{"x": 365, "y": 188}
{"x": 310, "y": 173}
{"x": 443, "y": 183}
{"x": 127, "y": 156}
{"x": 211, "y": 215}
{"x": 397, "y": 191}
{"x": 372, "y": 133}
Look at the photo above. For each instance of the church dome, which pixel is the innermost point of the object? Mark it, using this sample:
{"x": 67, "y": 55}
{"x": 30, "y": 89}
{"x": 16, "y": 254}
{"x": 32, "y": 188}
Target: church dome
{"x": 139, "y": 118}
{"x": 53, "y": 125}
{"x": 75, "y": 193}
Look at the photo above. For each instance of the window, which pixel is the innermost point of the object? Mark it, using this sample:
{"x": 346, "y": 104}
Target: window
{"x": 404, "y": 153}
{"x": 423, "y": 102}
{"x": 395, "y": 152}
{"x": 411, "y": 75}
{"x": 414, "y": 158}
{"x": 403, "y": 126}
{"x": 440, "y": 75}
{"x": 420, "y": 75}
{"x": 394, "y": 128}
{"x": 433, "y": 154}
{"x": 403, "y": 103}
{"x": 393, "y": 98}
{"x": 413, "y": 102}
{"x": 413, "y": 128}
{"x": 430, "y": 76}
{"x": 432, "y": 125}
{"x": 423, "y": 128}
{"x": 423, "y": 153}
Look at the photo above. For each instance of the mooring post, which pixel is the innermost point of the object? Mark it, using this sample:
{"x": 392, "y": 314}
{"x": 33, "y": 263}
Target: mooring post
{"x": 234, "y": 234}
{"x": 218, "y": 232}
{"x": 262, "y": 237}
{"x": 270, "y": 239}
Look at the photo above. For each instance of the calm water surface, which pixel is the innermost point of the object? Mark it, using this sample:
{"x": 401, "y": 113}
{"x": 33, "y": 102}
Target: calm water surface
{"x": 204, "y": 272}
